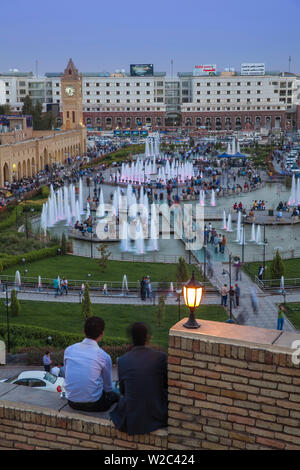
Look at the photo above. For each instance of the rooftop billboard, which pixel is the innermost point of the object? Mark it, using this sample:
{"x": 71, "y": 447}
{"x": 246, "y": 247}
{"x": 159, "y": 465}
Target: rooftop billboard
{"x": 141, "y": 70}
{"x": 205, "y": 70}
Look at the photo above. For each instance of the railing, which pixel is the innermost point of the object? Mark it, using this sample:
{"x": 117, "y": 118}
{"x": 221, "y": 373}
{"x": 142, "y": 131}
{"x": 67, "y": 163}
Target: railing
{"x": 131, "y": 289}
{"x": 275, "y": 284}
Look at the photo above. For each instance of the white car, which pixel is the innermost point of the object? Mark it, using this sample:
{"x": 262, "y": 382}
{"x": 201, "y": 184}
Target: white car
{"x": 38, "y": 379}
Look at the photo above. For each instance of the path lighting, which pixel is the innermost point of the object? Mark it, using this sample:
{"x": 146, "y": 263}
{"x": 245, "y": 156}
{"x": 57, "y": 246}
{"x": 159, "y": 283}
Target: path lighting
{"x": 192, "y": 293}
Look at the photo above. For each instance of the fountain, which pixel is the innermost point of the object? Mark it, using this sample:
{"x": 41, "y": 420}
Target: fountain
{"x": 224, "y": 221}
{"x": 238, "y": 229}
{"x": 229, "y": 226}
{"x": 39, "y": 283}
{"x": 293, "y": 195}
{"x": 212, "y": 201}
{"x": 258, "y": 236}
{"x": 202, "y": 198}
{"x": 124, "y": 237}
{"x": 243, "y": 236}
{"x": 253, "y": 238}
{"x": 17, "y": 280}
{"x": 124, "y": 285}
{"x": 100, "y": 209}
{"x": 139, "y": 245}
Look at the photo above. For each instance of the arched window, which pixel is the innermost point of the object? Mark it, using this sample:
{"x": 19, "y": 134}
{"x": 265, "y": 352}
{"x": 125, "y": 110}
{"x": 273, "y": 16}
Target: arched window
{"x": 198, "y": 121}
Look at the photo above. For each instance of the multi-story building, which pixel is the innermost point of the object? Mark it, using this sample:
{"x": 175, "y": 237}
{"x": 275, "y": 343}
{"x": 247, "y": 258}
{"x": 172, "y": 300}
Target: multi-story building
{"x": 224, "y": 101}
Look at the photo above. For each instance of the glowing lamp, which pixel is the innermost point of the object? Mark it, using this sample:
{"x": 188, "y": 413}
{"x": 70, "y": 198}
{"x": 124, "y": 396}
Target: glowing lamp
{"x": 192, "y": 293}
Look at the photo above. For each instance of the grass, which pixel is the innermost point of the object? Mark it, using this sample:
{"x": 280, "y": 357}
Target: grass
{"x": 293, "y": 314}
{"x": 67, "y": 317}
{"x": 77, "y": 267}
{"x": 292, "y": 268}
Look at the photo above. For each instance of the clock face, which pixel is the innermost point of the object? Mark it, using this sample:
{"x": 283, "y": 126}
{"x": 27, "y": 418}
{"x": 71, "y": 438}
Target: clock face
{"x": 70, "y": 90}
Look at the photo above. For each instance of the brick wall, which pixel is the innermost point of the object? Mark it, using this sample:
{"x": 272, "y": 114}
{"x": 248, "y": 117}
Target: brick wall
{"x": 230, "y": 393}
{"x": 29, "y": 428}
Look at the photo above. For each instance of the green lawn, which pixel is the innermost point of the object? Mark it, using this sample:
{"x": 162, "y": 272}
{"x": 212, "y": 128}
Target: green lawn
{"x": 293, "y": 314}
{"x": 67, "y": 317}
{"x": 76, "y": 267}
{"x": 292, "y": 267}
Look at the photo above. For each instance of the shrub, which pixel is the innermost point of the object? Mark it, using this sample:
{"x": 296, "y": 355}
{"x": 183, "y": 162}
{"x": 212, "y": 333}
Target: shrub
{"x": 45, "y": 191}
{"x": 86, "y": 305}
{"x": 182, "y": 273}
{"x": 277, "y": 266}
{"x": 23, "y": 336}
{"x": 14, "y": 305}
{"x": 30, "y": 256}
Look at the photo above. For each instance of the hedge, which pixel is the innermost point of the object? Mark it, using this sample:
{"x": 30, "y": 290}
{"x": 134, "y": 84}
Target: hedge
{"x": 29, "y": 256}
{"x": 24, "y": 336}
{"x": 11, "y": 218}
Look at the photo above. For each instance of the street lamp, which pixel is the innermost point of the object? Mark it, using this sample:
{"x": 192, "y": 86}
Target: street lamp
{"x": 178, "y": 292}
{"x": 7, "y": 303}
{"x": 192, "y": 293}
{"x": 229, "y": 274}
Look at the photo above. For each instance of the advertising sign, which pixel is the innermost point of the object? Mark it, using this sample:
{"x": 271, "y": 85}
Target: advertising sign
{"x": 141, "y": 70}
{"x": 117, "y": 133}
{"x": 126, "y": 133}
{"x": 205, "y": 70}
{"x": 135, "y": 133}
{"x": 144, "y": 133}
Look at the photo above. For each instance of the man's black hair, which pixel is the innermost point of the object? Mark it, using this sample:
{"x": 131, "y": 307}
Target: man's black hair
{"x": 93, "y": 327}
{"x": 139, "y": 333}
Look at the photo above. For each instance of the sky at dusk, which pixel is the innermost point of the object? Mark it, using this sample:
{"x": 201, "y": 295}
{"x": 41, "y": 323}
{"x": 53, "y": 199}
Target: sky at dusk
{"x": 109, "y": 35}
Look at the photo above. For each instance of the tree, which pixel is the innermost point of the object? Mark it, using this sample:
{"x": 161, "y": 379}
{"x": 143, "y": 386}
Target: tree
{"x": 277, "y": 267}
{"x": 14, "y": 304}
{"x": 182, "y": 273}
{"x": 104, "y": 256}
{"x": 5, "y": 109}
{"x": 37, "y": 116}
{"x": 86, "y": 305}
{"x": 27, "y": 106}
{"x": 161, "y": 310}
{"x": 64, "y": 244}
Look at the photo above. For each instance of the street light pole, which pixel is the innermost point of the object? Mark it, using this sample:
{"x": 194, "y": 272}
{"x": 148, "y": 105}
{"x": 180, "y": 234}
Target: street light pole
{"x": 264, "y": 251}
{"x": 7, "y": 319}
{"x": 230, "y": 300}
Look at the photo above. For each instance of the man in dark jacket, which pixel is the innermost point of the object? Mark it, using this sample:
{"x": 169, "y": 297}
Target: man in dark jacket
{"x": 143, "y": 406}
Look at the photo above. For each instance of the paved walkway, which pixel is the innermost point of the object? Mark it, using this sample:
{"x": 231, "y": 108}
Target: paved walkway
{"x": 266, "y": 316}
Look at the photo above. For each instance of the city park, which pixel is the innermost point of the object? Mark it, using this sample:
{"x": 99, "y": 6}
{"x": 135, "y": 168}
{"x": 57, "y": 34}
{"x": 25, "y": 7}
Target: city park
{"x": 104, "y": 238}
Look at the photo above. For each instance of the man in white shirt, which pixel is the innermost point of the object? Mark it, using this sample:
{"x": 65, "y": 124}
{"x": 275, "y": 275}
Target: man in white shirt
{"x": 88, "y": 371}
{"x": 55, "y": 370}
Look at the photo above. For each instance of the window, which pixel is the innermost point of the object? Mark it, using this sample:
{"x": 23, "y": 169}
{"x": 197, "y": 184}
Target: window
{"x": 118, "y": 93}
{"x": 238, "y": 83}
{"x": 117, "y": 84}
{"x": 238, "y": 92}
{"x": 97, "y": 92}
{"x": 137, "y": 84}
{"x": 148, "y": 84}
{"x": 208, "y": 84}
{"x": 138, "y": 92}
{"x": 107, "y": 92}
{"x": 148, "y": 92}
{"x": 219, "y": 84}
{"x": 228, "y": 92}
{"x": 228, "y": 83}
{"x": 86, "y": 92}
{"x": 107, "y": 101}
{"x": 97, "y": 84}
{"x": 258, "y": 92}
{"x": 248, "y": 83}
{"x": 88, "y": 101}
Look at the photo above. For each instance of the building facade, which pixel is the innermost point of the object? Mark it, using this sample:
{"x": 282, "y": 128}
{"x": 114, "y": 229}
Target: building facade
{"x": 24, "y": 152}
{"x": 221, "y": 102}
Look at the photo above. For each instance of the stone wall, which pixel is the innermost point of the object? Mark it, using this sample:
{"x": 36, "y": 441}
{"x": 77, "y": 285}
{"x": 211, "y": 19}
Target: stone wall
{"x": 30, "y": 428}
{"x": 232, "y": 387}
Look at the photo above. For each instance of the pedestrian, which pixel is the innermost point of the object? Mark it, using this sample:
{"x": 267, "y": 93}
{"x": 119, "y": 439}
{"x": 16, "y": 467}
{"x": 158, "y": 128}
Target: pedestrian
{"x": 237, "y": 292}
{"x": 56, "y": 285}
{"x": 47, "y": 361}
{"x": 237, "y": 266}
{"x": 216, "y": 243}
{"x": 232, "y": 297}
{"x": 143, "y": 288}
{"x": 55, "y": 370}
{"x": 148, "y": 287}
{"x": 64, "y": 285}
{"x": 223, "y": 244}
{"x": 260, "y": 272}
{"x": 280, "y": 318}
{"x": 224, "y": 293}
{"x": 61, "y": 370}
{"x": 254, "y": 301}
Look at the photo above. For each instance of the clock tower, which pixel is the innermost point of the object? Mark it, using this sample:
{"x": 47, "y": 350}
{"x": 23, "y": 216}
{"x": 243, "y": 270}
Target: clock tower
{"x": 71, "y": 92}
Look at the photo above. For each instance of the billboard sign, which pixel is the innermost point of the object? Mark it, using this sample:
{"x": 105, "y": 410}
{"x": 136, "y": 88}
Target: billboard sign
{"x": 144, "y": 133}
{"x": 135, "y": 133}
{"x": 117, "y": 133}
{"x": 126, "y": 133}
{"x": 141, "y": 70}
{"x": 205, "y": 70}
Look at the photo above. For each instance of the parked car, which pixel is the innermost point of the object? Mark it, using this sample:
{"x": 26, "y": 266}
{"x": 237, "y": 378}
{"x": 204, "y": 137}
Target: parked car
{"x": 38, "y": 379}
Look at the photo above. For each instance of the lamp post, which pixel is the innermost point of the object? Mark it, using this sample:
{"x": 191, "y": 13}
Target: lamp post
{"x": 229, "y": 274}
{"x": 178, "y": 292}
{"x": 192, "y": 293}
{"x": 243, "y": 235}
{"x": 204, "y": 262}
{"x": 264, "y": 251}
{"x": 7, "y": 303}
